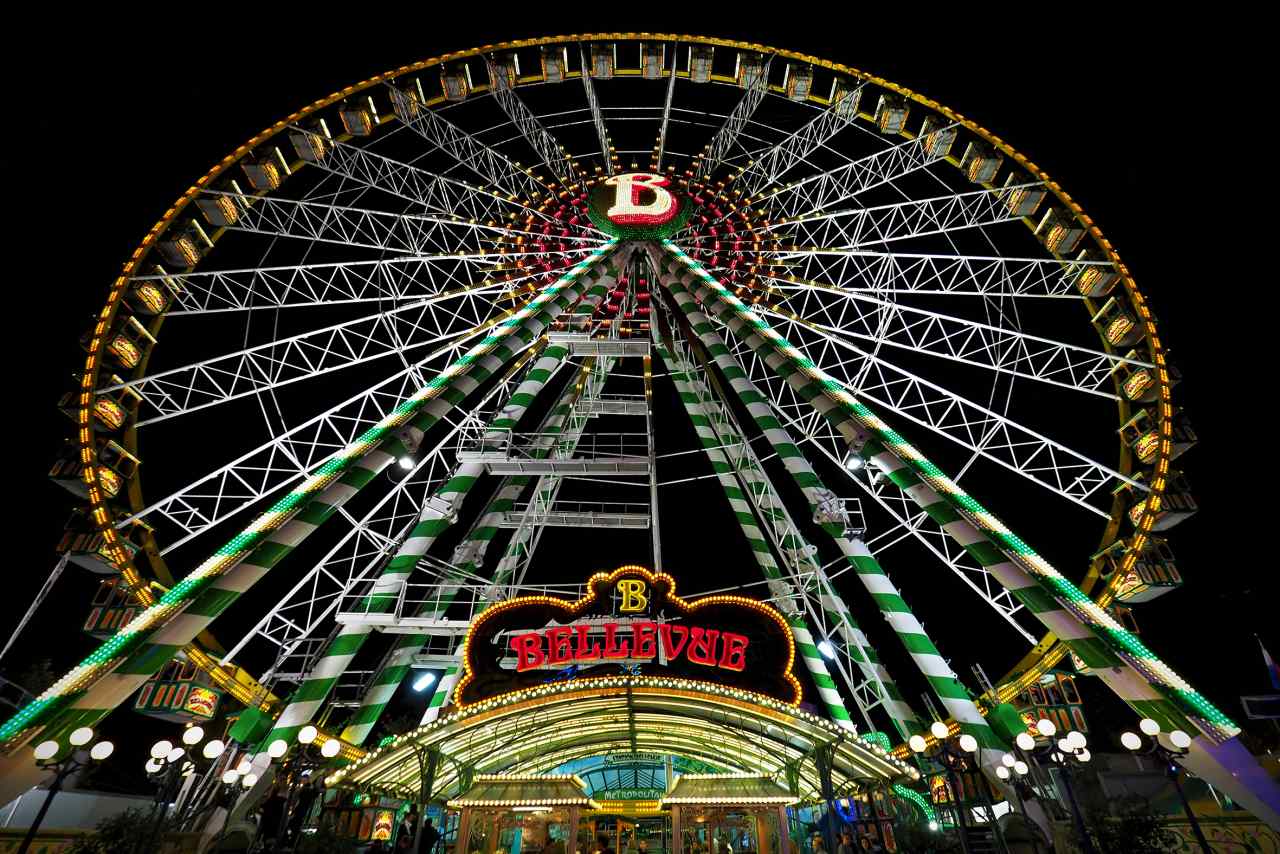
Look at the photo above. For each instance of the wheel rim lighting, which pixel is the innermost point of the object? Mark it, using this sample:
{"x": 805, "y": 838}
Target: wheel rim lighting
{"x": 46, "y": 750}
{"x": 307, "y": 734}
{"x": 1149, "y": 726}
{"x": 330, "y": 748}
{"x": 81, "y": 736}
{"x": 161, "y": 749}
{"x": 1130, "y": 740}
{"x": 193, "y": 735}
{"x": 1046, "y": 727}
{"x": 916, "y": 743}
{"x": 939, "y": 729}
{"x": 214, "y": 749}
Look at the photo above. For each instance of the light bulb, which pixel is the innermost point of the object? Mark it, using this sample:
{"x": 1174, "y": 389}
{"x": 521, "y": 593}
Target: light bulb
{"x": 916, "y": 743}
{"x": 46, "y": 750}
{"x": 1056, "y": 756}
{"x": 968, "y": 743}
{"x": 1130, "y": 740}
{"x": 307, "y": 734}
{"x": 1149, "y": 726}
{"x": 153, "y": 766}
{"x": 1077, "y": 739}
{"x": 101, "y": 750}
{"x": 1065, "y": 745}
{"x": 175, "y": 754}
{"x": 425, "y": 681}
{"x": 828, "y": 651}
{"x": 1008, "y": 759}
{"x": 213, "y": 749}
{"x": 245, "y": 766}
{"x": 1025, "y": 741}
{"x": 248, "y": 780}
{"x": 1046, "y": 727}
{"x": 81, "y": 736}
{"x": 853, "y": 462}
{"x": 939, "y": 729}
{"x": 277, "y": 748}
{"x": 330, "y": 748}
{"x": 1084, "y": 755}
{"x": 1180, "y": 739}
{"x": 1002, "y": 772}
{"x": 192, "y": 735}
{"x": 1020, "y": 767}
{"x": 405, "y": 463}
{"x": 161, "y": 749}
{"x": 230, "y": 777}
{"x": 933, "y": 825}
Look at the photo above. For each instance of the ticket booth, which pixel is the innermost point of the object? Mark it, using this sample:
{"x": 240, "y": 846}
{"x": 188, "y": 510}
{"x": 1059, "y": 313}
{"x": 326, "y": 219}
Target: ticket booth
{"x": 521, "y": 814}
{"x": 721, "y": 813}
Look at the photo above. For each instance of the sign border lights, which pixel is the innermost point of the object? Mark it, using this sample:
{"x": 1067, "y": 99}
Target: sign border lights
{"x": 553, "y": 614}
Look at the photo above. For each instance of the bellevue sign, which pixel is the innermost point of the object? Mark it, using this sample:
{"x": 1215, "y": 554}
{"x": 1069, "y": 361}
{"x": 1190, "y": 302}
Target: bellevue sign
{"x": 632, "y": 620}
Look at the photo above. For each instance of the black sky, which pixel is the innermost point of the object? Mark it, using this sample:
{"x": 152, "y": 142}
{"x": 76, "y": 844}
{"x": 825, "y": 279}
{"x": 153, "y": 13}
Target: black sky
{"x": 1167, "y": 157}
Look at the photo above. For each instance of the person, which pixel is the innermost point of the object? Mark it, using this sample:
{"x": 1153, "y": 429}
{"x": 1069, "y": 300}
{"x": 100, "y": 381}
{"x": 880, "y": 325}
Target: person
{"x": 306, "y": 798}
{"x": 845, "y": 845}
{"x": 430, "y": 836}
{"x": 269, "y": 816}
{"x": 602, "y": 845}
{"x": 819, "y": 845}
{"x": 406, "y": 837}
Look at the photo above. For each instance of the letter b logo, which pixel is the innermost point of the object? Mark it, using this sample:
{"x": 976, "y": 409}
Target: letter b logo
{"x": 633, "y": 596}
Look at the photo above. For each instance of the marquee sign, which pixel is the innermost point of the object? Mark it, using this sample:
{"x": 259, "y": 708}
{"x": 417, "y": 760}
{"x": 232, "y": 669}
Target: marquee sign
{"x": 637, "y": 206}
{"x": 632, "y": 621}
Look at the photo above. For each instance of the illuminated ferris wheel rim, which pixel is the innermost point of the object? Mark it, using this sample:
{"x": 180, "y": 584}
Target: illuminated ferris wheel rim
{"x": 1045, "y": 654}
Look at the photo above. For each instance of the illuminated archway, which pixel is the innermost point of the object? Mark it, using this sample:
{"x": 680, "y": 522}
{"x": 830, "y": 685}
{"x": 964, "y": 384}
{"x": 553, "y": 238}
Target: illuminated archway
{"x": 539, "y": 730}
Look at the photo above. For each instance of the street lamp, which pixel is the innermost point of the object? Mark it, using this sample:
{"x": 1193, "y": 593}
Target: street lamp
{"x": 45, "y": 752}
{"x": 1067, "y": 752}
{"x": 1181, "y": 747}
{"x": 170, "y": 764}
{"x": 956, "y": 754}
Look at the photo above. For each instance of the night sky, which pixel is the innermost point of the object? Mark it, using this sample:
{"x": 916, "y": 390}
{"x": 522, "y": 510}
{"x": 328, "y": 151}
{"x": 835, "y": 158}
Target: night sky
{"x": 105, "y": 135}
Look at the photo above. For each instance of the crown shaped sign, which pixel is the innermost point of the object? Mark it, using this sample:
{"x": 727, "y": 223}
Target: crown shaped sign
{"x": 629, "y": 621}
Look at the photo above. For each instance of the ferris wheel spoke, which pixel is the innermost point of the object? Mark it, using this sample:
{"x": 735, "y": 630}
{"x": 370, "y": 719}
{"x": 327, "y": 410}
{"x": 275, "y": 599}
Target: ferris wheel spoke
{"x": 467, "y": 151}
{"x": 189, "y": 388}
{"x": 287, "y": 457}
{"x": 857, "y": 228}
{"x": 755, "y": 77}
{"x": 370, "y": 229}
{"x": 821, "y": 191}
{"x": 597, "y": 119}
{"x": 1049, "y": 464}
{"x": 435, "y": 193}
{"x": 768, "y": 167}
{"x": 880, "y": 272}
{"x": 377, "y": 281}
{"x": 540, "y": 140}
{"x": 863, "y": 316}
{"x": 666, "y": 106}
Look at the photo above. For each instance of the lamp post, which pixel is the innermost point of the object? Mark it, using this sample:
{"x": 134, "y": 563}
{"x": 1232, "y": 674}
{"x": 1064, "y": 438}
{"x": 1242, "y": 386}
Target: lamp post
{"x": 1067, "y": 752}
{"x": 1181, "y": 743}
{"x": 300, "y": 764}
{"x": 1014, "y": 769}
{"x": 62, "y": 768}
{"x": 954, "y": 755}
{"x": 170, "y": 764}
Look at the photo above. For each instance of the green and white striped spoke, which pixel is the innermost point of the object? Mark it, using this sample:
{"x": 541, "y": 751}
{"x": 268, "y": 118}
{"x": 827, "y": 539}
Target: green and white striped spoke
{"x": 1150, "y": 685}
{"x": 941, "y": 678}
{"x": 684, "y": 378}
{"x": 147, "y": 642}
{"x": 396, "y": 666}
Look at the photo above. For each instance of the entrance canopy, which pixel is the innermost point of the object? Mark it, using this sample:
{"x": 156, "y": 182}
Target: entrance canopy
{"x": 535, "y": 730}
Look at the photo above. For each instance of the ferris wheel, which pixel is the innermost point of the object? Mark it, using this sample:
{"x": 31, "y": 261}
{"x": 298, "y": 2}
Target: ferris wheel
{"x": 422, "y": 323}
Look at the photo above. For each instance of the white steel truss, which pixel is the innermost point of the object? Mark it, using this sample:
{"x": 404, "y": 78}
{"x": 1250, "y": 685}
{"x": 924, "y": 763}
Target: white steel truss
{"x": 594, "y": 104}
{"x": 726, "y": 138}
{"x": 539, "y": 139}
{"x": 767, "y": 168}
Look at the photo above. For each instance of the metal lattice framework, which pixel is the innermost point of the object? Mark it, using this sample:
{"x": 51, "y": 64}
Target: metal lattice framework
{"x": 396, "y": 314}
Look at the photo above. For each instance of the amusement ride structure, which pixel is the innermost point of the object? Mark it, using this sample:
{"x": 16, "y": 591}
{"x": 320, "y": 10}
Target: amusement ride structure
{"x": 428, "y": 318}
